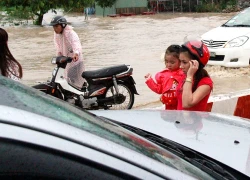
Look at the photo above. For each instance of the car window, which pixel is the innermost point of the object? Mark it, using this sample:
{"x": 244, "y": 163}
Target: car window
{"x": 243, "y": 18}
{"x": 17, "y": 158}
{"x": 17, "y": 95}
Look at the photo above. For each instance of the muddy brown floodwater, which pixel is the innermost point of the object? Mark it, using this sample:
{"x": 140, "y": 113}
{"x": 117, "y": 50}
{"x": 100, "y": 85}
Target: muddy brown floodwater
{"x": 137, "y": 40}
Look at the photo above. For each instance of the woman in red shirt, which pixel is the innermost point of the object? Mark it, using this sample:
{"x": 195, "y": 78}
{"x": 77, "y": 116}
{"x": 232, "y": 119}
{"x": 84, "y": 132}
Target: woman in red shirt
{"x": 194, "y": 91}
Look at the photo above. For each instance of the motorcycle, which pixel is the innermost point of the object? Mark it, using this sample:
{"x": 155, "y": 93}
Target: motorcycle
{"x": 107, "y": 88}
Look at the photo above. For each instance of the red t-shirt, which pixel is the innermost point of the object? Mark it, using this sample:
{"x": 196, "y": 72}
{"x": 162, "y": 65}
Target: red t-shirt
{"x": 201, "y": 106}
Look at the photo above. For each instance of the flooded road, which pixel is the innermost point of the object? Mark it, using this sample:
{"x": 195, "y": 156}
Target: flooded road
{"x": 137, "y": 40}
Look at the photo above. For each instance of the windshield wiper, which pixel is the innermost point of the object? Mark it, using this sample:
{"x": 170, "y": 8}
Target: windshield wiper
{"x": 213, "y": 167}
{"x": 224, "y": 25}
{"x": 241, "y": 25}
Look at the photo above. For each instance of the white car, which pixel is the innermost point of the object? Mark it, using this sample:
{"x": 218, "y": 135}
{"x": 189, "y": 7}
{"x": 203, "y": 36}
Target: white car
{"x": 229, "y": 44}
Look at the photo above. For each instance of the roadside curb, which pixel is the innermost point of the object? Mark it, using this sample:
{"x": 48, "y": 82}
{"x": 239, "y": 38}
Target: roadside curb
{"x": 236, "y": 103}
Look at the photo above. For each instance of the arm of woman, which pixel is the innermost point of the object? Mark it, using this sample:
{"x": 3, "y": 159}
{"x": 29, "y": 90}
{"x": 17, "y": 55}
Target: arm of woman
{"x": 189, "y": 98}
{"x": 57, "y": 45}
{"x": 75, "y": 43}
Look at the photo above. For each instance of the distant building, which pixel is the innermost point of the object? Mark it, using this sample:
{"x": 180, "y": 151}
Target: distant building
{"x": 124, "y": 6}
{"x": 139, "y": 6}
{"x": 157, "y": 6}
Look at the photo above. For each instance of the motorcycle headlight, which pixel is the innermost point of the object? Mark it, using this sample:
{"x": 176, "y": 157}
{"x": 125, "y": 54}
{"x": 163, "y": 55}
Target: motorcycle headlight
{"x": 54, "y": 71}
{"x": 53, "y": 60}
{"x": 239, "y": 41}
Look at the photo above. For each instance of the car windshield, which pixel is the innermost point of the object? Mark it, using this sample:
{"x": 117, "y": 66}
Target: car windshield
{"x": 17, "y": 95}
{"x": 240, "y": 20}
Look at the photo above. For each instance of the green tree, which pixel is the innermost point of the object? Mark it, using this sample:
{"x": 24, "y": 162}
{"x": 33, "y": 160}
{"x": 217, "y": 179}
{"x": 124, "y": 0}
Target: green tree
{"x": 37, "y": 8}
{"x": 105, "y": 3}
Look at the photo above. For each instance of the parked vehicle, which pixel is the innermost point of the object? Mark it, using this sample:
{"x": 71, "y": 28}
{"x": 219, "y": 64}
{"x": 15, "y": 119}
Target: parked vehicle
{"x": 42, "y": 137}
{"x": 229, "y": 44}
{"x": 107, "y": 88}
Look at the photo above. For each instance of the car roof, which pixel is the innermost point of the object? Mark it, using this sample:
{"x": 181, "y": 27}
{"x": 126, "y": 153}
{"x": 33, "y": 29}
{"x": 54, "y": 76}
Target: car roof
{"x": 221, "y": 137}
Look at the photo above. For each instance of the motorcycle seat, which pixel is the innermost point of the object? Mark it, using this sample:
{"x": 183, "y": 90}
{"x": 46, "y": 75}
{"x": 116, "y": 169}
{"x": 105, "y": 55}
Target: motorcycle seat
{"x": 105, "y": 72}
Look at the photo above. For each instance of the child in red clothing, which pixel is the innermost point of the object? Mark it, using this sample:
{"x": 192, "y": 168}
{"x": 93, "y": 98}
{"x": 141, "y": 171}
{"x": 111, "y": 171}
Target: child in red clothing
{"x": 166, "y": 81}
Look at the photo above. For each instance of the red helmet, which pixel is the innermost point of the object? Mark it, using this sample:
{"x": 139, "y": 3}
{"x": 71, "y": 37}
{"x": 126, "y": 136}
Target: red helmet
{"x": 198, "y": 49}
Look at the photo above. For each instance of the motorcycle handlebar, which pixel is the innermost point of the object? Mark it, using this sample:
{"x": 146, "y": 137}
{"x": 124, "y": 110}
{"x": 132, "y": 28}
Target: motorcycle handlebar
{"x": 61, "y": 59}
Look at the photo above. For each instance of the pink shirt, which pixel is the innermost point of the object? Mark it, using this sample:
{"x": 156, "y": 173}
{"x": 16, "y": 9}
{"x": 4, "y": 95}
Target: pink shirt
{"x": 67, "y": 44}
{"x": 201, "y": 106}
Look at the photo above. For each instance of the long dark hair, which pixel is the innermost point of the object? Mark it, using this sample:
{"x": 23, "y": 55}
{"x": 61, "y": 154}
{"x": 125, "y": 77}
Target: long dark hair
{"x": 200, "y": 73}
{"x": 8, "y": 64}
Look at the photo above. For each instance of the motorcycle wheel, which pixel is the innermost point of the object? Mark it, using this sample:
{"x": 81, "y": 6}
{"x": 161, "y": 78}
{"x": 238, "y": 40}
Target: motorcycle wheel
{"x": 125, "y": 91}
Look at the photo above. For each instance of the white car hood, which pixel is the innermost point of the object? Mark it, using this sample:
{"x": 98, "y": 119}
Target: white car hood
{"x": 224, "y": 138}
{"x": 225, "y": 33}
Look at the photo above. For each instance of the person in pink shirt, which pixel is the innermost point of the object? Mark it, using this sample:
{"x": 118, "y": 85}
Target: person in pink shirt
{"x": 166, "y": 81}
{"x": 67, "y": 43}
{"x": 194, "y": 91}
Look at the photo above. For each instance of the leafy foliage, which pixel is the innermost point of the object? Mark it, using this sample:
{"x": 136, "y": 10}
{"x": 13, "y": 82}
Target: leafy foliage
{"x": 35, "y": 9}
{"x": 105, "y": 3}
{"x": 217, "y": 6}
